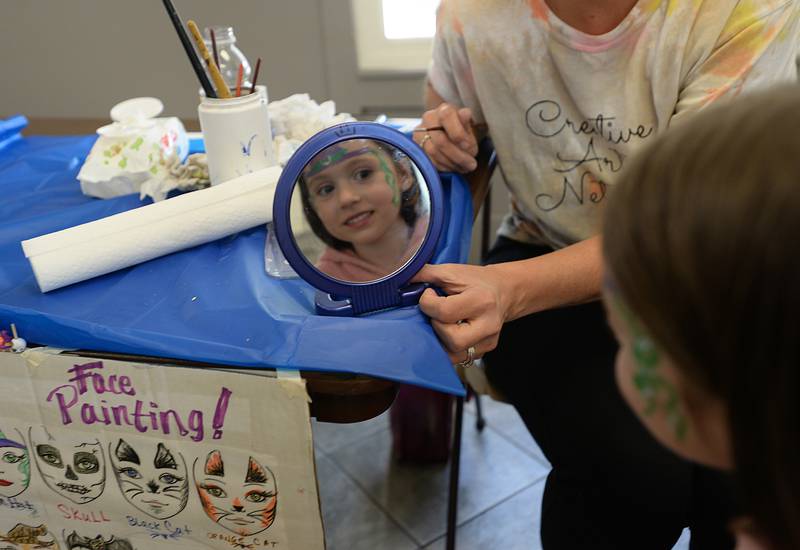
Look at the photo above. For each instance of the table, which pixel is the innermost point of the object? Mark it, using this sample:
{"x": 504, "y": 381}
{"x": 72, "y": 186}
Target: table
{"x": 212, "y": 304}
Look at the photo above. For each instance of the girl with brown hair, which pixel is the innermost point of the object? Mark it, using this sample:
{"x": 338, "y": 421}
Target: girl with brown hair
{"x": 703, "y": 292}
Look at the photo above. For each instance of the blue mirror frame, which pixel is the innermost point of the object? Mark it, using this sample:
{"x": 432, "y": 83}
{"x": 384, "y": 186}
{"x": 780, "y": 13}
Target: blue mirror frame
{"x": 344, "y": 298}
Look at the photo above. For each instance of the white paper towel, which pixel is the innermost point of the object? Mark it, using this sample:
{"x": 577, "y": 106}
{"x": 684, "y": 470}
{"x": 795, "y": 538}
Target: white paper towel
{"x": 102, "y": 246}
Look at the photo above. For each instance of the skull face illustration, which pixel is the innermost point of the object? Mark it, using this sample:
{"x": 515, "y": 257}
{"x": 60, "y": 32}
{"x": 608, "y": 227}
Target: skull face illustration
{"x": 71, "y": 463}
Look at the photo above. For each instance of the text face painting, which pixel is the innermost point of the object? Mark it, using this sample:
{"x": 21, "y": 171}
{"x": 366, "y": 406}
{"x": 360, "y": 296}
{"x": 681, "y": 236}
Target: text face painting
{"x": 70, "y": 463}
{"x": 237, "y": 491}
{"x": 15, "y": 465}
{"x": 151, "y": 476}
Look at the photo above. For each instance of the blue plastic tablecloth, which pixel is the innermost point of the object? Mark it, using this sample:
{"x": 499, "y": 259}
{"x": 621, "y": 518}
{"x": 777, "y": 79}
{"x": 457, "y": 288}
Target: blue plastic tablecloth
{"x": 213, "y": 303}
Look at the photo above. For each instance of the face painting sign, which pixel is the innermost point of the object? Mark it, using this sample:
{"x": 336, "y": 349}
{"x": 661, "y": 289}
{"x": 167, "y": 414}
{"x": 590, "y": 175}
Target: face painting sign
{"x": 111, "y": 455}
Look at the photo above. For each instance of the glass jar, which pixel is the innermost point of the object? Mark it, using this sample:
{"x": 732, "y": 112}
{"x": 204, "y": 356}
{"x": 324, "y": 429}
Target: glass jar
{"x": 229, "y": 56}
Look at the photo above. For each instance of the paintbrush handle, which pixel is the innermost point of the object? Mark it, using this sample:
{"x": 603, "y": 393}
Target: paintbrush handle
{"x": 474, "y": 126}
{"x": 187, "y": 46}
{"x": 222, "y": 88}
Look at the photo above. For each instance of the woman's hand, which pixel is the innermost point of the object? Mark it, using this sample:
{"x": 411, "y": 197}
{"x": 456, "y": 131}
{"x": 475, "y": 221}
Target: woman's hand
{"x": 473, "y": 311}
{"x": 454, "y": 148}
{"x": 483, "y": 298}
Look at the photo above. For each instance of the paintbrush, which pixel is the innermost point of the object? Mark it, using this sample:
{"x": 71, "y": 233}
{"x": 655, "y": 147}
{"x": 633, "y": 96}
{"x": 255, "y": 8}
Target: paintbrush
{"x": 214, "y": 46}
{"x": 255, "y": 76}
{"x": 187, "y": 46}
{"x": 222, "y": 88}
{"x": 481, "y": 127}
{"x": 239, "y": 76}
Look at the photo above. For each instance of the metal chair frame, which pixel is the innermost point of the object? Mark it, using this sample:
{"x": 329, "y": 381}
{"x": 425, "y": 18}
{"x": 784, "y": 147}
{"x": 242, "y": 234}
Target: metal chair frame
{"x": 481, "y": 196}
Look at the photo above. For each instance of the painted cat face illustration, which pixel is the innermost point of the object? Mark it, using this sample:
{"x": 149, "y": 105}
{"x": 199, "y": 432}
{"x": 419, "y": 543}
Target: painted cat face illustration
{"x": 151, "y": 476}
{"x": 71, "y": 463}
{"x": 15, "y": 465}
{"x": 237, "y": 492}
{"x": 74, "y": 540}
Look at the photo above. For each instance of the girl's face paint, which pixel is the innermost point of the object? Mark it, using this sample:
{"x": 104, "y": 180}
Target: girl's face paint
{"x": 355, "y": 189}
{"x": 388, "y": 173}
{"x": 683, "y": 418}
{"x": 654, "y": 386}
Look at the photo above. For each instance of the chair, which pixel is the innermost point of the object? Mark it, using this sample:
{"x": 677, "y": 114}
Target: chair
{"x": 479, "y": 187}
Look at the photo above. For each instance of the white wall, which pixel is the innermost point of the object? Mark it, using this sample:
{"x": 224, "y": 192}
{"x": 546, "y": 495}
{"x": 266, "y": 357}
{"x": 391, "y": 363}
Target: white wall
{"x": 77, "y": 58}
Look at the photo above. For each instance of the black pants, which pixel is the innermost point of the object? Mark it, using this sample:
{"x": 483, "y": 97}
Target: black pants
{"x": 612, "y": 485}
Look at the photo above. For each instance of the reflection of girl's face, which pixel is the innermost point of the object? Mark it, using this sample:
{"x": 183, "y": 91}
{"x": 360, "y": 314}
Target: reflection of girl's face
{"x": 682, "y": 417}
{"x": 15, "y": 471}
{"x": 357, "y": 196}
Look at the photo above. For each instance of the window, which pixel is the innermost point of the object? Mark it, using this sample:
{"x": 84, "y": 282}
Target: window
{"x": 394, "y": 36}
{"x": 403, "y": 19}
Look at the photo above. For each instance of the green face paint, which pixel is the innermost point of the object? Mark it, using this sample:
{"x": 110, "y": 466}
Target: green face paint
{"x": 338, "y": 154}
{"x": 390, "y": 179}
{"x": 656, "y": 391}
{"x": 334, "y": 156}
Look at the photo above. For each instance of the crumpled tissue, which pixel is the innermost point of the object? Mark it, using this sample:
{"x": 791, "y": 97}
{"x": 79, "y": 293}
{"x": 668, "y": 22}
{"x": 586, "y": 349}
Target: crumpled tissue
{"x": 134, "y": 149}
{"x": 121, "y": 163}
{"x": 298, "y": 117}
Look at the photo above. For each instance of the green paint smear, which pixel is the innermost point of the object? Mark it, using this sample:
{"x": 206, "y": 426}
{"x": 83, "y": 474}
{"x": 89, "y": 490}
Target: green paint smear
{"x": 326, "y": 161}
{"x": 137, "y": 144}
{"x": 340, "y": 153}
{"x": 656, "y": 391}
{"x": 123, "y": 162}
{"x": 390, "y": 179}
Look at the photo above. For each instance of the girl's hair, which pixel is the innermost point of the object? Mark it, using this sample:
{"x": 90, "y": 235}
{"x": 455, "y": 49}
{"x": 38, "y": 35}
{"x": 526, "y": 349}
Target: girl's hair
{"x": 409, "y": 200}
{"x": 701, "y": 237}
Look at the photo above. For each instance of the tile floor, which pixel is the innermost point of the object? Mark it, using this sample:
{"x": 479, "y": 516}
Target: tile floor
{"x": 369, "y": 502}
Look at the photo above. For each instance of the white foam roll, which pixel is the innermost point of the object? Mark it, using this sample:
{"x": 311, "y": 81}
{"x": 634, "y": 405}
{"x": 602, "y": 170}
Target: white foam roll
{"x": 129, "y": 238}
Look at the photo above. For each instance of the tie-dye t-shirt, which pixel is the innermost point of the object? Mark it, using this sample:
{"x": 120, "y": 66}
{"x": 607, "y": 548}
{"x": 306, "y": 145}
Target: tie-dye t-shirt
{"x": 565, "y": 109}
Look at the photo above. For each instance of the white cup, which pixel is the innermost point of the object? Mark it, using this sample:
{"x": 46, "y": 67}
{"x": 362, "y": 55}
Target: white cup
{"x": 237, "y": 135}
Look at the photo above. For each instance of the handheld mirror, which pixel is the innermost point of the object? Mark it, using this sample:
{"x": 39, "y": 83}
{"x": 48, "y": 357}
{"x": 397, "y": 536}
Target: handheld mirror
{"x": 357, "y": 212}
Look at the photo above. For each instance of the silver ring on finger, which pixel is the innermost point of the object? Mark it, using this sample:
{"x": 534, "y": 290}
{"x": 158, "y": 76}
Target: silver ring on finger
{"x": 470, "y": 360}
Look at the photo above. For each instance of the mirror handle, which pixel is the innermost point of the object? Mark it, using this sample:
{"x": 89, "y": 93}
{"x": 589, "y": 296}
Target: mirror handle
{"x": 409, "y": 295}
